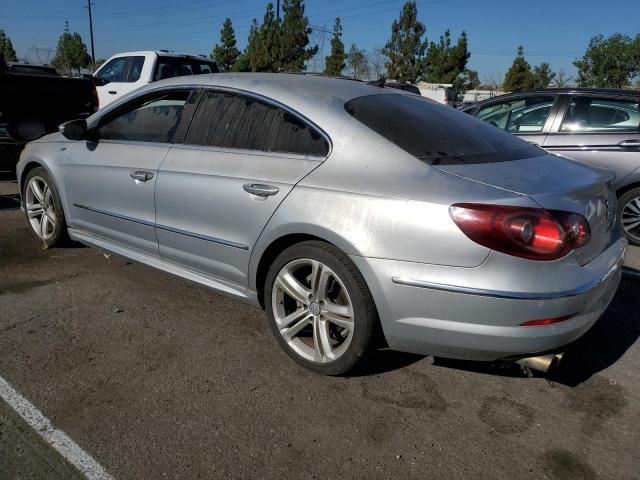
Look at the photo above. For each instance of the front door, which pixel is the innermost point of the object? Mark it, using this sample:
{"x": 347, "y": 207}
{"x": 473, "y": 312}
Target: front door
{"x": 217, "y": 191}
{"x": 111, "y": 180}
{"x": 599, "y": 130}
{"x": 120, "y": 76}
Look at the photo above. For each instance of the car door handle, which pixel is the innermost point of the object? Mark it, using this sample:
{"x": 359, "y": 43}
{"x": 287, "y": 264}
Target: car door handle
{"x": 112, "y": 92}
{"x": 260, "y": 190}
{"x": 629, "y": 143}
{"x": 141, "y": 175}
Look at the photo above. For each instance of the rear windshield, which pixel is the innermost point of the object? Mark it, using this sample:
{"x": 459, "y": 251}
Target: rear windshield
{"x": 437, "y": 134}
{"x": 168, "y": 67}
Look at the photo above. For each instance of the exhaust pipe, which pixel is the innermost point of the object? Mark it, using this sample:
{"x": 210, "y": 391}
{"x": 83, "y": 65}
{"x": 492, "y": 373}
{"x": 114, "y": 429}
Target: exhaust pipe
{"x": 544, "y": 363}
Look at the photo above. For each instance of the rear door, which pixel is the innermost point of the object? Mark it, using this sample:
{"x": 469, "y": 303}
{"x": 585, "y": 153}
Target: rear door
{"x": 217, "y": 191}
{"x": 529, "y": 116}
{"x": 600, "y": 130}
{"x": 111, "y": 180}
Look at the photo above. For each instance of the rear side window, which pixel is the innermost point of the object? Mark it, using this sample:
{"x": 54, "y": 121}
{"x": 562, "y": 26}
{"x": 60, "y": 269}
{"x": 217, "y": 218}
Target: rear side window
{"x": 152, "y": 118}
{"x": 601, "y": 115}
{"x": 168, "y": 67}
{"x": 232, "y": 121}
{"x": 292, "y": 135}
{"x": 437, "y": 134}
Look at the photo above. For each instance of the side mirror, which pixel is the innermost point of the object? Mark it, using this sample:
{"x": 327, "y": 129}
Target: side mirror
{"x": 99, "y": 82}
{"x": 74, "y": 130}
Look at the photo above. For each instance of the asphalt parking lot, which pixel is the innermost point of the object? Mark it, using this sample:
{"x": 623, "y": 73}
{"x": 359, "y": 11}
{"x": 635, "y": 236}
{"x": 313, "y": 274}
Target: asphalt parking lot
{"x": 158, "y": 378}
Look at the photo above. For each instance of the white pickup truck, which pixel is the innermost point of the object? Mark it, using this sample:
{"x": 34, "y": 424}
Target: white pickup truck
{"x": 124, "y": 72}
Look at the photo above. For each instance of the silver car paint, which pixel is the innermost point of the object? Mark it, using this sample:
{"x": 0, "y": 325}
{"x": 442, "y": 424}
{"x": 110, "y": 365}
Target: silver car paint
{"x": 377, "y": 203}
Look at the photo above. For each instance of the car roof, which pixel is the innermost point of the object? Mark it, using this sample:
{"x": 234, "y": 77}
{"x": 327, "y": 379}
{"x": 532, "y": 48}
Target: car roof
{"x": 162, "y": 53}
{"x": 310, "y": 95}
{"x": 561, "y": 90}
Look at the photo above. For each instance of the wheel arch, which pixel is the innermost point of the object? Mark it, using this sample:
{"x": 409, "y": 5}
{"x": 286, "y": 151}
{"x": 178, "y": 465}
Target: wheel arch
{"x": 33, "y": 162}
{"x": 269, "y": 247}
{"x": 631, "y": 186}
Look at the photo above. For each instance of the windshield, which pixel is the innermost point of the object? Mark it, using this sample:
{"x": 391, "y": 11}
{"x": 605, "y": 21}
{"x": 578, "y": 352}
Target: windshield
{"x": 437, "y": 134}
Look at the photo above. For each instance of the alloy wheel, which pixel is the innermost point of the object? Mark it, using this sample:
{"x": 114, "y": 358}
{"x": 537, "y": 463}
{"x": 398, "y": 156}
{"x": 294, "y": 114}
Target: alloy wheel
{"x": 40, "y": 208}
{"x": 313, "y": 310}
{"x": 630, "y": 218}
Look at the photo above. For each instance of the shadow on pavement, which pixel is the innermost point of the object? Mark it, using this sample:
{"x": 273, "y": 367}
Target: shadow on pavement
{"x": 9, "y": 202}
{"x": 383, "y": 361}
{"x": 596, "y": 350}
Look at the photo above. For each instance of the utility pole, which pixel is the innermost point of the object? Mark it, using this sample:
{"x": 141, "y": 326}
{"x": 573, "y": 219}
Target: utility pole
{"x": 278, "y": 9}
{"x": 93, "y": 53}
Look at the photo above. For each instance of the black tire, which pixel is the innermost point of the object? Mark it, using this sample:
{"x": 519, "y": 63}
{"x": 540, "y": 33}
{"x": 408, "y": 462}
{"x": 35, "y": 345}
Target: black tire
{"x": 59, "y": 233}
{"x": 365, "y": 317}
{"x": 623, "y": 201}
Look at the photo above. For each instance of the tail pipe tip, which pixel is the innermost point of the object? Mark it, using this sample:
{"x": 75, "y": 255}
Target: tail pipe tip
{"x": 543, "y": 363}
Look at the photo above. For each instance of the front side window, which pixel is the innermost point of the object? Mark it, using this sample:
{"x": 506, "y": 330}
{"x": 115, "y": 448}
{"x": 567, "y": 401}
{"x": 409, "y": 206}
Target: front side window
{"x": 523, "y": 115}
{"x": 437, "y": 134}
{"x": 114, "y": 71}
{"x": 152, "y": 118}
{"x": 601, "y": 115}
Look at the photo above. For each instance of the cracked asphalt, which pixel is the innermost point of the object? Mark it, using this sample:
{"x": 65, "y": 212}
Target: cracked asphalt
{"x": 158, "y": 378}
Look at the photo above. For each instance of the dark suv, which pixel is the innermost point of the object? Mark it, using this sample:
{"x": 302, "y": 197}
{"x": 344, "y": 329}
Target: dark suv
{"x": 600, "y": 127}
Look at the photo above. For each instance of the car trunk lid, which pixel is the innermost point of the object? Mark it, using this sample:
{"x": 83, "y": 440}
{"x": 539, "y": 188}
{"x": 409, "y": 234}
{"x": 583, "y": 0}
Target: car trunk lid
{"x": 555, "y": 183}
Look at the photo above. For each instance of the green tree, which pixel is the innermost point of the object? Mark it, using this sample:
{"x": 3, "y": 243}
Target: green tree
{"x": 445, "y": 63}
{"x": 295, "y": 37}
{"x": 225, "y": 53}
{"x": 562, "y": 79}
{"x": 609, "y": 62}
{"x": 71, "y": 53}
{"x": 6, "y": 47}
{"x": 242, "y": 63}
{"x": 405, "y": 48}
{"x": 334, "y": 63}
{"x": 263, "y": 47}
{"x": 357, "y": 63}
{"x": 519, "y": 76}
{"x": 543, "y": 76}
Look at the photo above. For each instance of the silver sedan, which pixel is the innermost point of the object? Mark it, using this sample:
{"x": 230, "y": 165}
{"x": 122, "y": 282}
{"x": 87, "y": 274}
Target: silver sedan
{"x": 356, "y": 216}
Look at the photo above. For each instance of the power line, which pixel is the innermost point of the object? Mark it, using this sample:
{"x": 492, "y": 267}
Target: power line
{"x": 93, "y": 52}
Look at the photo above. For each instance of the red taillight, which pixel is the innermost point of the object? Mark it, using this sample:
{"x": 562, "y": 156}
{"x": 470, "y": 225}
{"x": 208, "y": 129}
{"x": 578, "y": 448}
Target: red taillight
{"x": 532, "y": 233}
{"x": 547, "y": 321}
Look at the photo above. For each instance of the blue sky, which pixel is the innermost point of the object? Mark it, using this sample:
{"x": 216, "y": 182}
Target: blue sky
{"x": 550, "y": 31}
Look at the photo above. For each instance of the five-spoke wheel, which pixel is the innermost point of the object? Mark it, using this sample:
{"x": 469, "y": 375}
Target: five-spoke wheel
{"x": 43, "y": 208}
{"x": 320, "y": 308}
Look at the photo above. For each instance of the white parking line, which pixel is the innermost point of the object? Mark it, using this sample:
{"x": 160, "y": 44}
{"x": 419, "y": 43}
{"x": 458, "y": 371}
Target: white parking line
{"x": 58, "y": 440}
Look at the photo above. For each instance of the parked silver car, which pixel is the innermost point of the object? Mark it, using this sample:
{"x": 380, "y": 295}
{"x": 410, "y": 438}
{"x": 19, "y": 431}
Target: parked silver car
{"x": 600, "y": 127}
{"x": 349, "y": 212}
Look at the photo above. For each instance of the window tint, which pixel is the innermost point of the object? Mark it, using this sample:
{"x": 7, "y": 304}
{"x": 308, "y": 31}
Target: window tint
{"x": 523, "y": 115}
{"x": 114, "y": 71}
{"x": 292, "y": 135}
{"x": 153, "y": 118}
{"x": 135, "y": 68}
{"x": 167, "y": 67}
{"x": 232, "y": 121}
{"x": 601, "y": 115}
{"x": 437, "y": 134}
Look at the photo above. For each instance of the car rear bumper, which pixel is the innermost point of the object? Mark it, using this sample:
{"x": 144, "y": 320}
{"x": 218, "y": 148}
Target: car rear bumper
{"x": 476, "y": 318}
